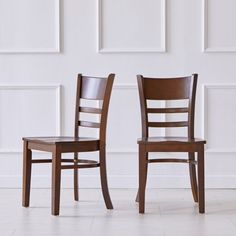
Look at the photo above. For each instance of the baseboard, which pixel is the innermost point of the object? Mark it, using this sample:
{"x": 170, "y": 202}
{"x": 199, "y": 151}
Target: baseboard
{"x": 120, "y": 181}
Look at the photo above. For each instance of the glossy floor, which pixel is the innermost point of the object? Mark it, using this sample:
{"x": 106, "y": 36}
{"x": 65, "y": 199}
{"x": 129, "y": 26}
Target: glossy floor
{"x": 168, "y": 213}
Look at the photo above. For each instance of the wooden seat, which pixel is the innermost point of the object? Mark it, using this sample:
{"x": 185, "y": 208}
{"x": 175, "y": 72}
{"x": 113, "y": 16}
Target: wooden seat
{"x": 170, "y": 140}
{"x": 88, "y": 88}
{"x": 169, "y": 89}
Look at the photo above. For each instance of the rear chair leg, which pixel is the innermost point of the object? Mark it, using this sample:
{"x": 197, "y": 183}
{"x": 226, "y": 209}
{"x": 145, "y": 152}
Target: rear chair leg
{"x": 103, "y": 174}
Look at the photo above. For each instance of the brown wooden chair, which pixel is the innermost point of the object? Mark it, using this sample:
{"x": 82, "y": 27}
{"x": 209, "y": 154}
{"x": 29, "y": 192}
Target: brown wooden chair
{"x": 88, "y": 88}
{"x": 168, "y": 89}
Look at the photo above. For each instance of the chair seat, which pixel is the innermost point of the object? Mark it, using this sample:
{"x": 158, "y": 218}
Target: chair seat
{"x": 169, "y": 140}
{"x": 67, "y": 144}
{"x": 60, "y": 139}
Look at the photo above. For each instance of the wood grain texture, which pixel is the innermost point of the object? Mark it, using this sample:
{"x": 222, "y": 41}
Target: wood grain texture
{"x": 170, "y": 89}
{"x": 87, "y": 88}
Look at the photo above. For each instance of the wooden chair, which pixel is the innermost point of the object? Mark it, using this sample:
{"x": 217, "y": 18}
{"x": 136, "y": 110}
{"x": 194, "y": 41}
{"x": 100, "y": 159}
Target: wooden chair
{"x": 170, "y": 89}
{"x": 88, "y": 88}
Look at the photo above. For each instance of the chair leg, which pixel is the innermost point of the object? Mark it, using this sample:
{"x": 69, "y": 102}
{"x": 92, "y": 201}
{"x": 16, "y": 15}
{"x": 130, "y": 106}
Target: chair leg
{"x": 76, "y": 180}
{"x": 103, "y": 173}
{"x": 146, "y": 166}
{"x": 201, "y": 182}
{"x": 56, "y": 181}
{"x": 27, "y": 157}
{"x": 142, "y": 178}
{"x": 193, "y": 177}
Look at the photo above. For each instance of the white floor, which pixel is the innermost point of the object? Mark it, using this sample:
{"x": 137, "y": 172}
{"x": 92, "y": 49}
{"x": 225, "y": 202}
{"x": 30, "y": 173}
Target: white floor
{"x": 168, "y": 213}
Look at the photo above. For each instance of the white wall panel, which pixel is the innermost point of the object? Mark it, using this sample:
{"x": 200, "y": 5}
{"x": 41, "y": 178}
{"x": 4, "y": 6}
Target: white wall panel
{"x": 219, "y": 25}
{"x": 219, "y": 117}
{"x": 29, "y": 26}
{"x": 131, "y": 26}
{"x": 28, "y": 111}
{"x": 124, "y": 125}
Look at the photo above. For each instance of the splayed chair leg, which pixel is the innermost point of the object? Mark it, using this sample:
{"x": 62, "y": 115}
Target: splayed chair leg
{"x": 103, "y": 174}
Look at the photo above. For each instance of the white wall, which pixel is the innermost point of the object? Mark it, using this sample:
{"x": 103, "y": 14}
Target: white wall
{"x": 43, "y": 46}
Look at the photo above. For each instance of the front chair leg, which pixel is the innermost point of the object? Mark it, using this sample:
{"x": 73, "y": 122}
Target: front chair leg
{"x": 193, "y": 177}
{"x": 201, "y": 182}
{"x": 27, "y": 157}
{"x": 146, "y": 170}
{"x": 142, "y": 177}
{"x": 103, "y": 173}
{"x": 56, "y": 180}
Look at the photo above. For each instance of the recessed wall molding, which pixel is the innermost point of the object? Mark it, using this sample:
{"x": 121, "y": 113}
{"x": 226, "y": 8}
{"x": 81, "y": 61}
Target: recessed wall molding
{"x": 133, "y": 86}
{"x": 125, "y": 86}
{"x": 35, "y": 27}
{"x": 56, "y": 96}
{"x": 214, "y": 106}
{"x": 221, "y": 36}
{"x": 120, "y": 41}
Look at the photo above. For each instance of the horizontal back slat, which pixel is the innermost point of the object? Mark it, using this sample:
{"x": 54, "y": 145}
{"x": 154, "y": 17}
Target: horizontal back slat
{"x": 167, "y": 89}
{"x": 93, "y": 88}
{"x": 168, "y": 110}
{"x": 89, "y": 124}
{"x": 168, "y": 124}
{"x": 90, "y": 110}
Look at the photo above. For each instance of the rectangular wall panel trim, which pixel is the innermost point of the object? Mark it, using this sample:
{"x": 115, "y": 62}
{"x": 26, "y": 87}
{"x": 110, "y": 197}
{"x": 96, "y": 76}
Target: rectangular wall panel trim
{"x": 205, "y": 113}
{"x": 54, "y": 49}
{"x": 160, "y": 48}
{"x": 57, "y": 91}
{"x": 205, "y": 33}
{"x": 163, "y": 131}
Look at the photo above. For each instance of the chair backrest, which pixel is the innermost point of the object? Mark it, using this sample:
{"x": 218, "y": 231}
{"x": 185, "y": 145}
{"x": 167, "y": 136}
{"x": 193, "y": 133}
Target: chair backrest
{"x": 93, "y": 88}
{"x": 179, "y": 88}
